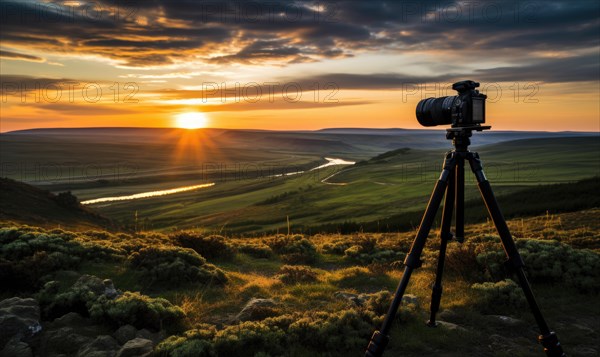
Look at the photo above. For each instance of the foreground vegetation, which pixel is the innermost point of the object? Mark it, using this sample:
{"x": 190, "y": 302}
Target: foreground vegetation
{"x": 208, "y": 295}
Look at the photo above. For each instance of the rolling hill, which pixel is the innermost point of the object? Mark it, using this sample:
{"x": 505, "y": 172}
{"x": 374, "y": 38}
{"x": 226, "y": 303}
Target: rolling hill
{"x": 26, "y": 204}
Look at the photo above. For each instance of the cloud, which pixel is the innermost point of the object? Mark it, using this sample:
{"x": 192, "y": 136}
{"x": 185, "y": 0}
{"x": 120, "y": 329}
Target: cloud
{"x": 20, "y": 56}
{"x": 85, "y": 110}
{"x": 162, "y": 32}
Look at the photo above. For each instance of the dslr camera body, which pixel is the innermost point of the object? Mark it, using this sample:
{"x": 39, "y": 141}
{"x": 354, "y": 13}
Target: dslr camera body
{"x": 467, "y": 109}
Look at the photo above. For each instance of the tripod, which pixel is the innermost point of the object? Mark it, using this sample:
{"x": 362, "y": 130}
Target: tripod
{"x": 451, "y": 182}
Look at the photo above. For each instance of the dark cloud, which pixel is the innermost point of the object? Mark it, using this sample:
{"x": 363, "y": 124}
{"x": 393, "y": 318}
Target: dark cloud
{"x": 160, "y": 32}
{"x": 20, "y": 56}
{"x": 550, "y": 70}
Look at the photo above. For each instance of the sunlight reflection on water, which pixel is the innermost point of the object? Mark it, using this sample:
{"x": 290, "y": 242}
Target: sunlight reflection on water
{"x": 147, "y": 194}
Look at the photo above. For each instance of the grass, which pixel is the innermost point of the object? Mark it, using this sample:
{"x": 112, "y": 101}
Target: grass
{"x": 569, "y": 312}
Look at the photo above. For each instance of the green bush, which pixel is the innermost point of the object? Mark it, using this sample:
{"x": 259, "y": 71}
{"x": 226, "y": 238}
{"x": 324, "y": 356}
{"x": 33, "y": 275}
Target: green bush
{"x": 355, "y": 254}
{"x": 362, "y": 249}
{"x": 27, "y": 255}
{"x": 135, "y": 309}
{"x": 77, "y": 298}
{"x": 213, "y": 246}
{"x": 308, "y": 333}
{"x": 87, "y": 297}
{"x": 379, "y": 302}
{"x": 175, "y": 265}
{"x": 256, "y": 250}
{"x": 355, "y": 276}
{"x": 249, "y": 338}
{"x": 293, "y": 249}
{"x": 551, "y": 261}
{"x": 193, "y": 343}
{"x": 504, "y": 293}
{"x": 294, "y": 274}
{"x": 360, "y": 244}
{"x": 344, "y": 330}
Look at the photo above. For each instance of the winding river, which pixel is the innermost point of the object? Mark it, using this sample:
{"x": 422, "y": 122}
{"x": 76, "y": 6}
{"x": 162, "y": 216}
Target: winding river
{"x": 330, "y": 162}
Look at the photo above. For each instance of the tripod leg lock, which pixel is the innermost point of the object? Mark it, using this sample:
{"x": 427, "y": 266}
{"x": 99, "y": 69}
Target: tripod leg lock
{"x": 377, "y": 345}
{"x": 552, "y": 346}
{"x": 413, "y": 261}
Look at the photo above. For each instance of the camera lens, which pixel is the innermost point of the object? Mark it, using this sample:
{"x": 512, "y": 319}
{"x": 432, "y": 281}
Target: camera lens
{"x": 435, "y": 111}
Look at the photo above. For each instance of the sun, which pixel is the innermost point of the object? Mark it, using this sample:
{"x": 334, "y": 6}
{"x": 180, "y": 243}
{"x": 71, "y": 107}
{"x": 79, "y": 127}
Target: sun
{"x": 191, "y": 120}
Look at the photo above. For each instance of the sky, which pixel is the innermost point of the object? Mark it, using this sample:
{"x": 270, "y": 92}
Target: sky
{"x": 287, "y": 65}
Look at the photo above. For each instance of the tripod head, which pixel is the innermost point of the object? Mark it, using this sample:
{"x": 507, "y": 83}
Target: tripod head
{"x": 460, "y": 135}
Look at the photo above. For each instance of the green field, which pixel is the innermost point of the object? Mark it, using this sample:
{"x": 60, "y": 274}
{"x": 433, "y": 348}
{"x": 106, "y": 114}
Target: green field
{"x": 249, "y": 197}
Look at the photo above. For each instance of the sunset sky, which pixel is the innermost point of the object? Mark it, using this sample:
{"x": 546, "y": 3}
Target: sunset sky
{"x": 295, "y": 64}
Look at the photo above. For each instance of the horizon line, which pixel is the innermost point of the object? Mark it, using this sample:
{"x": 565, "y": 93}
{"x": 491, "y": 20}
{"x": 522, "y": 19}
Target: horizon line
{"x": 277, "y": 130}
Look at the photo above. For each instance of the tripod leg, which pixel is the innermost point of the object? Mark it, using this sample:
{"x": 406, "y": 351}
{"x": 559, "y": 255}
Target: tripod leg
{"x": 445, "y": 236}
{"x": 380, "y": 338}
{"x": 548, "y": 339}
{"x": 460, "y": 199}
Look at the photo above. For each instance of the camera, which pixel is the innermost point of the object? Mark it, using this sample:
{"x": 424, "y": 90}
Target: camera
{"x": 463, "y": 110}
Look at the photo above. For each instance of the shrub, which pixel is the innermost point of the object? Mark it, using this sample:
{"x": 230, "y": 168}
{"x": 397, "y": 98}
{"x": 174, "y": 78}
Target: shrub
{"x": 505, "y": 293}
{"x": 193, "y": 343}
{"x": 175, "y": 265}
{"x": 135, "y": 309}
{"x": 308, "y": 333}
{"x": 66, "y": 199}
{"x": 213, "y": 246}
{"x": 76, "y": 299}
{"x": 256, "y": 250}
{"x": 249, "y": 338}
{"x": 354, "y": 276}
{"x": 26, "y": 256}
{"x": 344, "y": 330}
{"x": 551, "y": 261}
{"x": 361, "y": 244}
{"x": 376, "y": 256}
{"x": 87, "y": 297}
{"x": 294, "y": 274}
{"x": 293, "y": 249}
{"x": 379, "y": 302}
{"x": 461, "y": 260}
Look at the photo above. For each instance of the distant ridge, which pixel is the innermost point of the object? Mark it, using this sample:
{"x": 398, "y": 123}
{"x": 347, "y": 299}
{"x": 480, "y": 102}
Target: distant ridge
{"x": 348, "y": 130}
{"x": 26, "y": 204}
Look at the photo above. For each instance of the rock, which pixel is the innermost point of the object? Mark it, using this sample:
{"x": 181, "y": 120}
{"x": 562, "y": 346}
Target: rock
{"x": 65, "y": 340}
{"x": 506, "y": 320}
{"x": 16, "y": 348}
{"x": 447, "y": 314}
{"x": 70, "y": 319}
{"x": 138, "y": 347}
{"x": 155, "y": 337}
{"x": 125, "y": 333}
{"x": 19, "y": 318}
{"x": 584, "y": 328}
{"x": 345, "y": 295}
{"x": 109, "y": 289}
{"x": 257, "y": 309}
{"x": 357, "y": 300}
{"x": 450, "y": 326}
{"x": 51, "y": 287}
{"x": 501, "y": 343}
{"x": 584, "y": 351}
{"x": 102, "y": 346}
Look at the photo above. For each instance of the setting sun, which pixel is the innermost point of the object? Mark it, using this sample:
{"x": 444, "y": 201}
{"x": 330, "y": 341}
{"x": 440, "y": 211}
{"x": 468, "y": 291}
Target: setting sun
{"x": 191, "y": 120}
